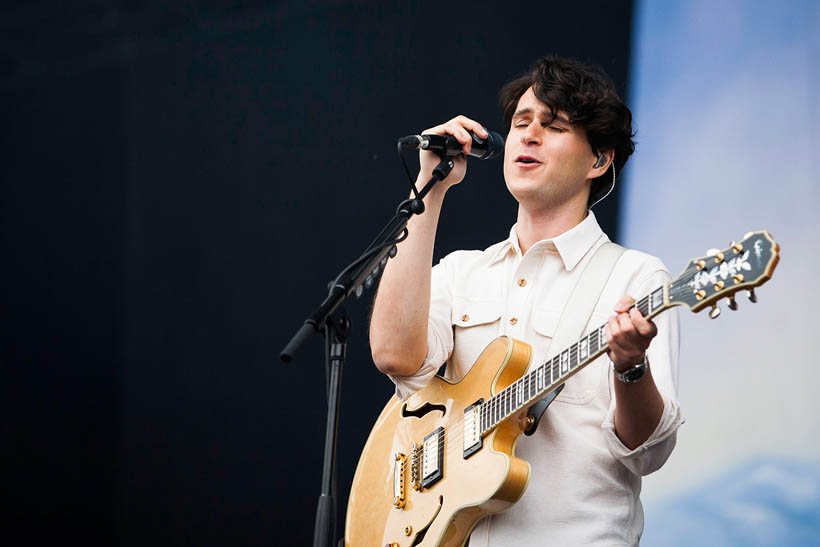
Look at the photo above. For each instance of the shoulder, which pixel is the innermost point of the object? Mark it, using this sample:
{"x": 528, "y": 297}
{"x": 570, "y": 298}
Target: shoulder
{"x": 642, "y": 268}
{"x": 470, "y": 259}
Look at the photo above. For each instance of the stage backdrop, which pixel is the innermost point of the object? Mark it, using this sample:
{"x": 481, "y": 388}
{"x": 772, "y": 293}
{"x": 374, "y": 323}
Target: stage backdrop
{"x": 180, "y": 182}
{"x": 726, "y": 97}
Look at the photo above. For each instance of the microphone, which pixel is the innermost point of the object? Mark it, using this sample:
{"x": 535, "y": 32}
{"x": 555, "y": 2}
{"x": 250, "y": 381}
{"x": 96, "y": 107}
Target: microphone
{"x": 447, "y": 146}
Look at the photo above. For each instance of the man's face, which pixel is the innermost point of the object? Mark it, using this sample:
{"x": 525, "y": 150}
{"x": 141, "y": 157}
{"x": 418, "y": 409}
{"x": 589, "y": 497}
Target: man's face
{"x": 546, "y": 163}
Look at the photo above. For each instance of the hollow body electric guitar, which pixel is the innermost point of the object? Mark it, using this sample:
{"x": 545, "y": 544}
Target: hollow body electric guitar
{"x": 437, "y": 463}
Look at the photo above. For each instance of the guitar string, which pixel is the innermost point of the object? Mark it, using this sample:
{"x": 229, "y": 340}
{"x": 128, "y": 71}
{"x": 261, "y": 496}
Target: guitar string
{"x": 455, "y": 433}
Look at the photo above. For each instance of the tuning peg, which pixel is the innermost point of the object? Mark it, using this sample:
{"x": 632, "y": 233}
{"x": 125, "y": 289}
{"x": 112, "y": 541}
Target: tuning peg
{"x": 715, "y": 253}
{"x": 736, "y": 247}
{"x": 713, "y": 314}
{"x": 732, "y": 303}
{"x": 752, "y": 295}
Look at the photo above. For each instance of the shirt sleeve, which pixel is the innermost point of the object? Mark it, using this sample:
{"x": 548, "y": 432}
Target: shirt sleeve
{"x": 663, "y": 359}
{"x": 439, "y": 331}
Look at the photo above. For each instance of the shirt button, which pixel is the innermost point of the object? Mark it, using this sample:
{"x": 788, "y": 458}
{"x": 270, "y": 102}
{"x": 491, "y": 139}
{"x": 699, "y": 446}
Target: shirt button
{"x": 513, "y": 320}
{"x": 522, "y": 282}
{"x": 465, "y": 317}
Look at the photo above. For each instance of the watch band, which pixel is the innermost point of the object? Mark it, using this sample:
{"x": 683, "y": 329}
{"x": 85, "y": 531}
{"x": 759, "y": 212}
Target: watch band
{"x": 632, "y": 375}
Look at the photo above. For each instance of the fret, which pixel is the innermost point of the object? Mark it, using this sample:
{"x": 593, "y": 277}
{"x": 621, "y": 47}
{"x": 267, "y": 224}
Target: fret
{"x": 555, "y": 372}
{"x": 593, "y": 342}
{"x": 539, "y": 379}
{"x": 564, "y": 362}
{"x": 573, "y": 356}
{"x": 519, "y": 394}
{"x": 643, "y": 306}
{"x": 602, "y": 336}
{"x": 583, "y": 349}
{"x": 656, "y": 300}
{"x": 507, "y": 395}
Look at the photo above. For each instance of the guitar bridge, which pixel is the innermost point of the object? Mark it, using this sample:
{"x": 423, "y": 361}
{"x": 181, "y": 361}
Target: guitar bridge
{"x": 398, "y": 480}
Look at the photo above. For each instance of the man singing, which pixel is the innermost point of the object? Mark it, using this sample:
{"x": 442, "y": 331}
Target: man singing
{"x": 616, "y": 420}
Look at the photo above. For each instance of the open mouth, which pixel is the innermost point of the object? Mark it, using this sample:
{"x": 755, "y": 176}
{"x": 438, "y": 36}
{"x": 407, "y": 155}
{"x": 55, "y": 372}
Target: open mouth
{"x": 526, "y": 160}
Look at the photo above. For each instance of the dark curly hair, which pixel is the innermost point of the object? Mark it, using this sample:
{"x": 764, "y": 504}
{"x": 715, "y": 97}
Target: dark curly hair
{"x": 588, "y": 97}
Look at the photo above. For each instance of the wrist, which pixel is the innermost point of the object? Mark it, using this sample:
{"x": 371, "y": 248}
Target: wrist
{"x": 633, "y": 373}
{"x": 626, "y": 365}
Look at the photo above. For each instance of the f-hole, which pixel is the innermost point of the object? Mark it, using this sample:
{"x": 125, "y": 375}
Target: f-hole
{"x": 422, "y": 411}
{"x": 420, "y": 536}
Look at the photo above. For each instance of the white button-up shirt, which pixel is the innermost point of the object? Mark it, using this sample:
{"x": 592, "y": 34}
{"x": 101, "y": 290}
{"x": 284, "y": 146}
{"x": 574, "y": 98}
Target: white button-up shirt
{"x": 585, "y": 483}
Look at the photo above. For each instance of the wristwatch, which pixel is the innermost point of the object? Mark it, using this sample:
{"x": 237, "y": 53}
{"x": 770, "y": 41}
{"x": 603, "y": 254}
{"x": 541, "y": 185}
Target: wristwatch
{"x": 632, "y": 375}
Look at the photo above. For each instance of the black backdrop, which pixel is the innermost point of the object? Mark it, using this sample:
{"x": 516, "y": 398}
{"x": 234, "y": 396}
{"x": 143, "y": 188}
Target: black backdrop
{"x": 178, "y": 185}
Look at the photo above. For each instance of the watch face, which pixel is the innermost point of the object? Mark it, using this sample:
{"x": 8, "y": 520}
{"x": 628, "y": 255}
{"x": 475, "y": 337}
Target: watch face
{"x": 635, "y": 374}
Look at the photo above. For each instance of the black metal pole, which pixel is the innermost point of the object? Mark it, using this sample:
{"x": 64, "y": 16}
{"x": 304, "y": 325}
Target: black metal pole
{"x": 335, "y": 332}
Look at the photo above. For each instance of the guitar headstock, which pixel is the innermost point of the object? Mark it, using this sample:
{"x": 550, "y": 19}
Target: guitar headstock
{"x": 720, "y": 274}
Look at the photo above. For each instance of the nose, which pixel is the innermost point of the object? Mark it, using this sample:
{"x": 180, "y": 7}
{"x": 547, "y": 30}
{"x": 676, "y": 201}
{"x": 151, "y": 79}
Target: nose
{"x": 531, "y": 134}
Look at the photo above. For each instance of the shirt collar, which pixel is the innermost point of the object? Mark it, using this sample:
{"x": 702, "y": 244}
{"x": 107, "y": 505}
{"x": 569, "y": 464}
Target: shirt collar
{"x": 571, "y": 246}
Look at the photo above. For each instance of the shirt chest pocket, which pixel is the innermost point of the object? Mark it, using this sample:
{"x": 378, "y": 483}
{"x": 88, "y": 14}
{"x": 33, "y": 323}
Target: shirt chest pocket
{"x": 581, "y": 387}
{"x": 475, "y": 325}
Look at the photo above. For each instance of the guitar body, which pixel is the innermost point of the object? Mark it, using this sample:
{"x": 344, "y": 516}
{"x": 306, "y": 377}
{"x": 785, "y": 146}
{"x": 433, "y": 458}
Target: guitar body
{"x": 488, "y": 481}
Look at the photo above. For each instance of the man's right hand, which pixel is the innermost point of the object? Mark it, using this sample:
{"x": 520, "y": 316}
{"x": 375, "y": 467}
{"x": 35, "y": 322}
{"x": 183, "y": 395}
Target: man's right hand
{"x": 458, "y": 127}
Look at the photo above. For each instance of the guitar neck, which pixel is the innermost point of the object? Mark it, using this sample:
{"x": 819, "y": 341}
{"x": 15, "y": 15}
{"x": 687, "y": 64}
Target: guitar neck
{"x": 557, "y": 370}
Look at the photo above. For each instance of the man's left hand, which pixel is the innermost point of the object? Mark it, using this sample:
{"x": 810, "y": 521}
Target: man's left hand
{"x": 628, "y": 335}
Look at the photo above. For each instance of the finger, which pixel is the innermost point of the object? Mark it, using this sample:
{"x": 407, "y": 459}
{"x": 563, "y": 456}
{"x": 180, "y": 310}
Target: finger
{"x": 460, "y": 134}
{"x": 472, "y": 125}
{"x": 624, "y": 304}
{"x": 625, "y": 323}
{"x": 612, "y": 329}
{"x": 643, "y": 326}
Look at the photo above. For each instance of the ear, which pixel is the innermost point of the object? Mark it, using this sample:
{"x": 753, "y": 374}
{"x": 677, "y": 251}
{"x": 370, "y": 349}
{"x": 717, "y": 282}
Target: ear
{"x": 602, "y": 163}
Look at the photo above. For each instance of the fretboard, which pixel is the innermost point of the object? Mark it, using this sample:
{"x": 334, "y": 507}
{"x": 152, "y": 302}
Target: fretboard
{"x": 540, "y": 381}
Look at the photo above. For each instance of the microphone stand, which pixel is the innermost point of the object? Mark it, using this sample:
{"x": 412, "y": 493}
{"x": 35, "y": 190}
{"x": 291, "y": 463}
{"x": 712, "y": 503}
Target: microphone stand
{"x": 334, "y": 322}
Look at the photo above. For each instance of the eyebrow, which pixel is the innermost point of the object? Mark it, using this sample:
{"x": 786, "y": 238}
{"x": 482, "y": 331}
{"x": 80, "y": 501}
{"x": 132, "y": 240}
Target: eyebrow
{"x": 545, "y": 113}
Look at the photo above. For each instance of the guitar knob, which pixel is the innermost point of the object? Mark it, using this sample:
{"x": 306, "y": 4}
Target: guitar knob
{"x": 752, "y": 295}
{"x": 732, "y": 303}
{"x": 715, "y": 312}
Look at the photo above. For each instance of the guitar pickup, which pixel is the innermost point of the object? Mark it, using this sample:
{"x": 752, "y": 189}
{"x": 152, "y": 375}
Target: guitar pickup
{"x": 432, "y": 465}
{"x": 472, "y": 429}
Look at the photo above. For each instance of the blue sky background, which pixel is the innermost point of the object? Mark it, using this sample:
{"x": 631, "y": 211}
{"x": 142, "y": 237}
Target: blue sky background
{"x": 726, "y": 99}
